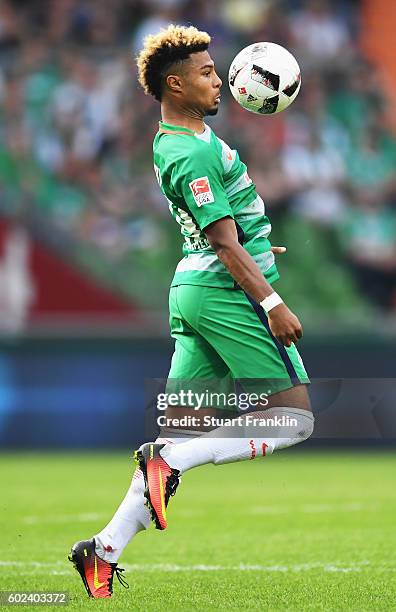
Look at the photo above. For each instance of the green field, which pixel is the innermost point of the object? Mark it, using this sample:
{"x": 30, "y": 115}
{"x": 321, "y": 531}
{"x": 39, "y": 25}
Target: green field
{"x": 296, "y": 531}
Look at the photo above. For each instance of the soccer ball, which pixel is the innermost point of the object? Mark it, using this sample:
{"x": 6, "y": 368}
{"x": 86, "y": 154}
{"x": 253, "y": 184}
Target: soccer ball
{"x": 264, "y": 78}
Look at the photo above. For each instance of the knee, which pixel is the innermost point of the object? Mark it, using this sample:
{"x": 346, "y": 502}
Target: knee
{"x": 306, "y": 427}
{"x": 301, "y": 425}
{"x": 297, "y": 423}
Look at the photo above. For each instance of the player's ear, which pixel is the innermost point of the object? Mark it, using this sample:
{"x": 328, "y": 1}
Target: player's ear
{"x": 174, "y": 82}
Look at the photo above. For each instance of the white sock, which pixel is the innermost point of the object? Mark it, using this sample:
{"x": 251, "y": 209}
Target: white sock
{"x": 218, "y": 447}
{"x": 132, "y": 515}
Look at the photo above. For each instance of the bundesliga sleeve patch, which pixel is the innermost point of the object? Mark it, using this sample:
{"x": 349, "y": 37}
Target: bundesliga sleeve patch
{"x": 201, "y": 190}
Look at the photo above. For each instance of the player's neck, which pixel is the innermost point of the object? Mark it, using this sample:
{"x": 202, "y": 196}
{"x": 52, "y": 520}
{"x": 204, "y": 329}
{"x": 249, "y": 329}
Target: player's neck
{"x": 183, "y": 117}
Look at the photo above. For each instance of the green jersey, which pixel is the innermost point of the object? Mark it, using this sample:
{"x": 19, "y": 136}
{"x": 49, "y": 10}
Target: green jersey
{"x": 204, "y": 180}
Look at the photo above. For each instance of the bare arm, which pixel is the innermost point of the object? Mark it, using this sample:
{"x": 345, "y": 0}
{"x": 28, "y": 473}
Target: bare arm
{"x": 223, "y": 238}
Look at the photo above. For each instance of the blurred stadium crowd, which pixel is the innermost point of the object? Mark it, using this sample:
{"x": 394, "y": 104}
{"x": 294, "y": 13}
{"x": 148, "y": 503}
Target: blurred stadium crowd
{"x": 76, "y": 134}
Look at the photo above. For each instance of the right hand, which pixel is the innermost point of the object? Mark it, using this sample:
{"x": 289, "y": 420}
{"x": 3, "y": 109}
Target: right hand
{"x": 284, "y": 325}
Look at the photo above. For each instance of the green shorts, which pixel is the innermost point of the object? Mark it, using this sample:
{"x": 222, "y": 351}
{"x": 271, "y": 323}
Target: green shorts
{"x": 222, "y": 337}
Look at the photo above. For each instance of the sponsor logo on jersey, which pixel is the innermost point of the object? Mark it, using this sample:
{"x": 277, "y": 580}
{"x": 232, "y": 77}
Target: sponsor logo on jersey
{"x": 201, "y": 190}
{"x": 242, "y": 90}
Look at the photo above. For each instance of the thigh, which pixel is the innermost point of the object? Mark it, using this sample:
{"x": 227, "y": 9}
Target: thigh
{"x": 196, "y": 365}
{"x": 295, "y": 397}
{"x": 237, "y": 329}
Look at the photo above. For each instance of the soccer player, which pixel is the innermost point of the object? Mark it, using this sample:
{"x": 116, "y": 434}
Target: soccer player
{"x": 228, "y": 322}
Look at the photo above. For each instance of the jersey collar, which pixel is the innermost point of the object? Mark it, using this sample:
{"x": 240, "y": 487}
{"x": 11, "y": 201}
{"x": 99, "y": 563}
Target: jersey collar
{"x": 205, "y": 134}
{"x": 167, "y": 128}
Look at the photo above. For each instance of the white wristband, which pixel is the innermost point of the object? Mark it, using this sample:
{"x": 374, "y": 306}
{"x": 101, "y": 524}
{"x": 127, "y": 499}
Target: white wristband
{"x": 271, "y": 301}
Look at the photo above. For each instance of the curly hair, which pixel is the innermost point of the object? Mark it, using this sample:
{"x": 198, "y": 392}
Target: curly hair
{"x": 162, "y": 50}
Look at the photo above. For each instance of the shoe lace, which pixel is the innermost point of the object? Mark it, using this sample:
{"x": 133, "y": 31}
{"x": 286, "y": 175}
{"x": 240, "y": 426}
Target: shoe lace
{"x": 118, "y": 572}
{"x": 172, "y": 482}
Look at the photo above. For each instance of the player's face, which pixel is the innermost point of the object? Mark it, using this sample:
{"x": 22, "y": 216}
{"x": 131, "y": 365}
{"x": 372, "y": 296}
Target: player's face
{"x": 201, "y": 87}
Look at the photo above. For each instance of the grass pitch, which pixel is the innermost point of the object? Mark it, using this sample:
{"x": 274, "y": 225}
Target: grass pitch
{"x": 297, "y": 531}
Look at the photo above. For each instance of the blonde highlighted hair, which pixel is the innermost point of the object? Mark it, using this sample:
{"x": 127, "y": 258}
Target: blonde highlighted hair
{"x": 162, "y": 50}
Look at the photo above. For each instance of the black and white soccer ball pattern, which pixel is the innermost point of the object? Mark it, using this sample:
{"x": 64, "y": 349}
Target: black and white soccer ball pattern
{"x": 264, "y": 78}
